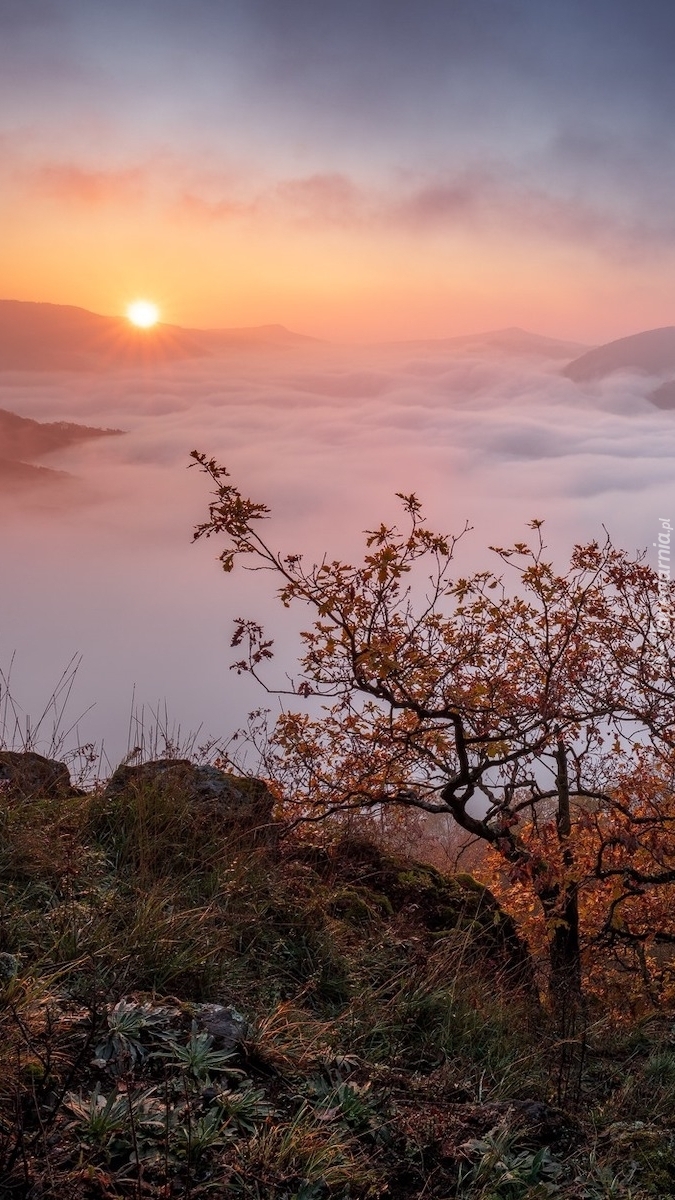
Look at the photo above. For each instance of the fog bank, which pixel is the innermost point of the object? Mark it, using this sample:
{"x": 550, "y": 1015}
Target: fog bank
{"x": 101, "y": 564}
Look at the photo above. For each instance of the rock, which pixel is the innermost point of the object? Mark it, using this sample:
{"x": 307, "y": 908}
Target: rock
{"x": 440, "y": 904}
{"x": 541, "y": 1120}
{"x": 29, "y": 775}
{"x": 9, "y": 968}
{"x": 226, "y": 1026}
{"x": 246, "y": 805}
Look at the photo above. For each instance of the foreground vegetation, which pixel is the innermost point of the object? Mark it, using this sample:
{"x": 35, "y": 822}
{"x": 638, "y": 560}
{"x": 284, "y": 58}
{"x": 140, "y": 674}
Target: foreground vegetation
{"x": 531, "y": 706}
{"x": 381, "y": 1033}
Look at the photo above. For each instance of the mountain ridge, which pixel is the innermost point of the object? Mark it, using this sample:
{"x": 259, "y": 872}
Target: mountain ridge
{"x": 40, "y": 336}
{"x": 510, "y": 339}
{"x": 23, "y": 438}
{"x": 651, "y": 351}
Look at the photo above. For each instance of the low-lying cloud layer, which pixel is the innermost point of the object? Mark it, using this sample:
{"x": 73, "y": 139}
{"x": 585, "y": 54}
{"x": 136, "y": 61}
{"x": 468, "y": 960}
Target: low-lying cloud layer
{"x": 325, "y": 435}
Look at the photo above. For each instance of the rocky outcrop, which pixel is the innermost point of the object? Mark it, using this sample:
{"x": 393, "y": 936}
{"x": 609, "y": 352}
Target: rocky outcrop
{"x": 374, "y": 881}
{"x": 244, "y": 805}
{"x": 28, "y": 775}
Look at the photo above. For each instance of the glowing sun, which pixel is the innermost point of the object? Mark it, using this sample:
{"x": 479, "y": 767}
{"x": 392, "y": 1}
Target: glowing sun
{"x": 143, "y": 313}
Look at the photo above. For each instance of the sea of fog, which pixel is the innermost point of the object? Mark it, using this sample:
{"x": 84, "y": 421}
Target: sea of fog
{"x": 103, "y": 567}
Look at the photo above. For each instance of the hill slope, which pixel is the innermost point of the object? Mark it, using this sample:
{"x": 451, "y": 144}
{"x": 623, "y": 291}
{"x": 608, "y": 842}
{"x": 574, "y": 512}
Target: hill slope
{"x": 652, "y": 351}
{"x": 193, "y": 1005}
{"x": 22, "y": 438}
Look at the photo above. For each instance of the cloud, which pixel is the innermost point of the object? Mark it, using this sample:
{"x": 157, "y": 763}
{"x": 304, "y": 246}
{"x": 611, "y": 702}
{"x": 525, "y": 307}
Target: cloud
{"x": 588, "y": 191}
{"x": 494, "y": 199}
{"x": 325, "y": 435}
{"x": 200, "y": 208}
{"x": 499, "y": 199}
{"x": 555, "y": 116}
{"x": 71, "y": 184}
{"x": 327, "y": 199}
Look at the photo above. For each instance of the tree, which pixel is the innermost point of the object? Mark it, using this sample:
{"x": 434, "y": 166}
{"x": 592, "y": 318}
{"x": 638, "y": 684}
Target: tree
{"x": 528, "y": 712}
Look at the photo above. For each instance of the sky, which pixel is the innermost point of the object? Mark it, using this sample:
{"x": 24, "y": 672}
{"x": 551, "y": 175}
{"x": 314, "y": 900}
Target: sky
{"x": 360, "y": 170}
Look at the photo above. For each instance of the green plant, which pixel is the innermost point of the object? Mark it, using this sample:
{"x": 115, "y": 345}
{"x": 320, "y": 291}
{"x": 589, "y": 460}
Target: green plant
{"x": 602, "y": 1181}
{"x": 102, "y": 1120}
{"x": 245, "y": 1107}
{"x": 197, "y": 1057}
{"x": 504, "y": 1173}
{"x": 293, "y": 1157}
{"x": 192, "y": 1137}
{"x": 168, "y": 943}
{"x": 97, "y": 1118}
{"x": 353, "y": 1103}
{"x": 128, "y": 1024}
{"x": 659, "y": 1069}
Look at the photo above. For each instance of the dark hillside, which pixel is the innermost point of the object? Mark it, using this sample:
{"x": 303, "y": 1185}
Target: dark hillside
{"x": 194, "y": 1003}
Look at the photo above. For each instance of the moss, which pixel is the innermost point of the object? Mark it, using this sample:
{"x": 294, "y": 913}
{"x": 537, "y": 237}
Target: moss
{"x": 419, "y": 894}
{"x": 646, "y": 1150}
{"x": 441, "y": 903}
{"x": 470, "y": 884}
{"x": 32, "y": 1072}
{"x": 358, "y": 906}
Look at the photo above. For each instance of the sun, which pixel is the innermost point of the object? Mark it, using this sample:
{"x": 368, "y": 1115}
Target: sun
{"x": 143, "y": 313}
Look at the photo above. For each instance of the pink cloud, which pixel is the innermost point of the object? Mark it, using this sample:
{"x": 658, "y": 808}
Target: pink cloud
{"x": 332, "y": 199}
{"x": 79, "y": 185}
{"x": 193, "y": 206}
{"x": 492, "y": 199}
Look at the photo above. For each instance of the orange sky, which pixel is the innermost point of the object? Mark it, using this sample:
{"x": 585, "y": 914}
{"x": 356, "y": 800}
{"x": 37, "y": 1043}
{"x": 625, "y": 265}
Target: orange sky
{"x": 329, "y": 281}
{"x": 346, "y": 175}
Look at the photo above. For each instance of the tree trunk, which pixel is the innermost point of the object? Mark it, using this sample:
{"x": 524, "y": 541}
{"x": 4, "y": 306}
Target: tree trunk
{"x": 562, "y": 912}
{"x": 561, "y": 908}
{"x": 565, "y": 989}
{"x": 562, "y": 905}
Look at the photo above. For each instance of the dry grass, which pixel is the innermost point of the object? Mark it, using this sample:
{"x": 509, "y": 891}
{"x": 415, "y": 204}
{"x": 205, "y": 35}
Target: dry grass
{"x": 382, "y": 1054}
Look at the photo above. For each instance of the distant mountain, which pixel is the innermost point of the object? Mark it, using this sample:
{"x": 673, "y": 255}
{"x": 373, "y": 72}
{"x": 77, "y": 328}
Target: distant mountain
{"x": 22, "y": 438}
{"x": 652, "y": 352}
{"x": 211, "y": 341}
{"x": 663, "y": 396}
{"x": 47, "y": 337}
{"x": 511, "y": 340}
{"x": 15, "y": 476}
